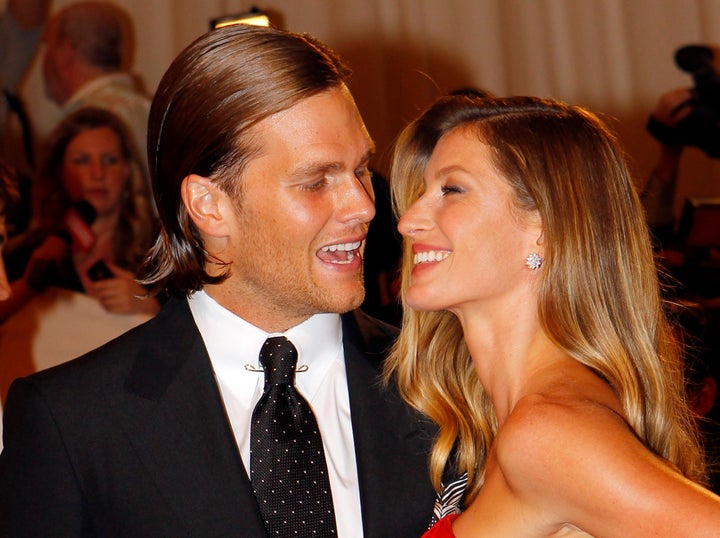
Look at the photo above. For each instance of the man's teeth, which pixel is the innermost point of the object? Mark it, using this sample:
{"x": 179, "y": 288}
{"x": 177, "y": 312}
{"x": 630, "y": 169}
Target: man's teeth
{"x": 349, "y": 250}
{"x": 343, "y": 246}
{"x": 430, "y": 256}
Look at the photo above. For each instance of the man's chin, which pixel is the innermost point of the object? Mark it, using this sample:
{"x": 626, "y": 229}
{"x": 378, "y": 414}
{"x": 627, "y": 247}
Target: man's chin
{"x": 341, "y": 304}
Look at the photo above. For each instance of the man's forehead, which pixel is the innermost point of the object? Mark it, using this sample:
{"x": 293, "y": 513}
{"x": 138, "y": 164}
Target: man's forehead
{"x": 319, "y": 139}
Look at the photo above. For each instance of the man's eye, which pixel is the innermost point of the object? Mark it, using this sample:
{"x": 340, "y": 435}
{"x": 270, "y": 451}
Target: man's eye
{"x": 363, "y": 173}
{"x": 314, "y": 185}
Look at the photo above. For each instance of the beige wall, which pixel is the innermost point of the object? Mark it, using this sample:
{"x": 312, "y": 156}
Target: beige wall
{"x": 613, "y": 56}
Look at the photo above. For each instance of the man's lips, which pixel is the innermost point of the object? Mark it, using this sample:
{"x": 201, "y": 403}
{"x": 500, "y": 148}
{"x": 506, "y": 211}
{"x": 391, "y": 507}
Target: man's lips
{"x": 340, "y": 253}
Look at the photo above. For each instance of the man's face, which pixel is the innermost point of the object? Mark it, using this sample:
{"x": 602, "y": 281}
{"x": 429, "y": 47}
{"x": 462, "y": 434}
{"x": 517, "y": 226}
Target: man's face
{"x": 299, "y": 228}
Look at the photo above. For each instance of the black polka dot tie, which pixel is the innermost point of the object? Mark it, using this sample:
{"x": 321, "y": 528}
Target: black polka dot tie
{"x": 287, "y": 462}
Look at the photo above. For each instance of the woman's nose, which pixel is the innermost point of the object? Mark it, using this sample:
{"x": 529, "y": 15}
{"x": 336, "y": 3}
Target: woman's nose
{"x": 97, "y": 169}
{"x": 414, "y": 220}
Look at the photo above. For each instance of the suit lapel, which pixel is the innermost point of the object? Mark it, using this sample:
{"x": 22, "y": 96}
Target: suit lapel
{"x": 391, "y": 441}
{"x": 173, "y": 411}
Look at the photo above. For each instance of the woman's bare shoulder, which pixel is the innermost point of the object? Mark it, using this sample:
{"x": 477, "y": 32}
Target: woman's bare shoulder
{"x": 558, "y": 425}
{"x": 576, "y": 457}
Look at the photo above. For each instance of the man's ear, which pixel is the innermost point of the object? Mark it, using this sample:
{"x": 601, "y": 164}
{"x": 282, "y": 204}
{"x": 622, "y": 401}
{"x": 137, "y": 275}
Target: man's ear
{"x": 204, "y": 204}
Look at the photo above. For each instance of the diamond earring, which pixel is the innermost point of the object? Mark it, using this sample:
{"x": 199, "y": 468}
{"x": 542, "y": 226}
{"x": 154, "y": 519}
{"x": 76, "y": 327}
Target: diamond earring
{"x": 534, "y": 261}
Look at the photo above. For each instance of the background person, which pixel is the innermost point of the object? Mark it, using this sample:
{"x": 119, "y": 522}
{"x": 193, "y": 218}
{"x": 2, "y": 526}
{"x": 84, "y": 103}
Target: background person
{"x": 88, "y": 52}
{"x": 259, "y": 162}
{"x": 21, "y": 25}
{"x": 659, "y": 192}
{"x": 9, "y": 198}
{"x": 73, "y": 273}
{"x": 91, "y": 159}
{"x": 534, "y": 333}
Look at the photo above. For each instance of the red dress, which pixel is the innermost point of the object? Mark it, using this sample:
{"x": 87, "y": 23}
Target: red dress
{"x": 443, "y": 528}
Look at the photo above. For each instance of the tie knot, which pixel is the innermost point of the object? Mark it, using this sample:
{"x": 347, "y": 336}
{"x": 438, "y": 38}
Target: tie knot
{"x": 278, "y": 357}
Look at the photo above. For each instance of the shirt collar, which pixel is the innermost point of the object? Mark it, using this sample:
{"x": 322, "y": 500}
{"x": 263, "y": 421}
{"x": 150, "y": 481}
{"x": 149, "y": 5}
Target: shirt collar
{"x": 116, "y": 79}
{"x": 233, "y": 343}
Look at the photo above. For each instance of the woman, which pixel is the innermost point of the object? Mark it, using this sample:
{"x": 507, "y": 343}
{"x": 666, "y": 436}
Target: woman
{"x": 91, "y": 165}
{"x": 534, "y": 332}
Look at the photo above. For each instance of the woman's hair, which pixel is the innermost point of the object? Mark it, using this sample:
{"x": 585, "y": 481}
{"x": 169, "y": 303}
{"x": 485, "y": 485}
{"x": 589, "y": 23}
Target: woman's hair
{"x": 137, "y": 227}
{"x": 201, "y": 118}
{"x": 599, "y": 296}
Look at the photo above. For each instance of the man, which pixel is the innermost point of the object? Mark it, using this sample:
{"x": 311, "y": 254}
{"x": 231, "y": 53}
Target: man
{"x": 659, "y": 193}
{"x": 87, "y": 56}
{"x": 259, "y": 162}
{"x": 21, "y": 25}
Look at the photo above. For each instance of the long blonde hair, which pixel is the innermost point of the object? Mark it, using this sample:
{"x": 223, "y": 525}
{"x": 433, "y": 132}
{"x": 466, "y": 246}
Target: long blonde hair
{"x": 599, "y": 296}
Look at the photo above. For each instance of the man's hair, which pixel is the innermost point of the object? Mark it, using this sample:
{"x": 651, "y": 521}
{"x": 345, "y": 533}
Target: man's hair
{"x": 100, "y": 31}
{"x": 599, "y": 298}
{"x": 201, "y": 118}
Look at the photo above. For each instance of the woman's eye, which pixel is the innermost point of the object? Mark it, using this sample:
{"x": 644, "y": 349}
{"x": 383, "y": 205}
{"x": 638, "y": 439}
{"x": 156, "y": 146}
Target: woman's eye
{"x": 110, "y": 159}
{"x": 451, "y": 189}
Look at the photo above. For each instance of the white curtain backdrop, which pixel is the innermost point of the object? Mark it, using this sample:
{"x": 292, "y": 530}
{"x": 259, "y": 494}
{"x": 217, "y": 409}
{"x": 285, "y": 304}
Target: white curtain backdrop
{"x": 612, "y": 56}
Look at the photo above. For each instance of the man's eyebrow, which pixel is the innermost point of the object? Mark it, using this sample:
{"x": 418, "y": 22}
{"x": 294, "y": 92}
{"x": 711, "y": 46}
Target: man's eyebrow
{"x": 315, "y": 169}
{"x": 319, "y": 168}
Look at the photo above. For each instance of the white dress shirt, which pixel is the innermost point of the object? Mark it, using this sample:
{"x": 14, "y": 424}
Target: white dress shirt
{"x": 234, "y": 347}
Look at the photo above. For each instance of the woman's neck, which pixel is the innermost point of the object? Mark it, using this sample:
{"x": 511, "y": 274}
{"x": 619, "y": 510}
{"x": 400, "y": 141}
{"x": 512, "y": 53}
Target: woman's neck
{"x": 509, "y": 349}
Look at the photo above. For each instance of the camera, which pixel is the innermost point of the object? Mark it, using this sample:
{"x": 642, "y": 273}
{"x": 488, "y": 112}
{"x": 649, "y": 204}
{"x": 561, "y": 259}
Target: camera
{"x": 701, "y": 127}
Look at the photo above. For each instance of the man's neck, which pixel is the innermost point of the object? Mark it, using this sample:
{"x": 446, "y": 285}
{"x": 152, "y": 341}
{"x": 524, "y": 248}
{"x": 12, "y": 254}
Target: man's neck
{"x": 255, "y": 311}
{"x": 81, "y": 77}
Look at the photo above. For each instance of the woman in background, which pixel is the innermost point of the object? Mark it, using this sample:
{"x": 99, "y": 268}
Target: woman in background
{"x": 93, "y": 219}
{"x": 534, "y": 332}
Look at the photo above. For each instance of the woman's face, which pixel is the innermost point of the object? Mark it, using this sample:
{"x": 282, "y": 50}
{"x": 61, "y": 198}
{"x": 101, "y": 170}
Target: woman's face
{"x": 469, "y": 241}
{"x": 95, "y": 170}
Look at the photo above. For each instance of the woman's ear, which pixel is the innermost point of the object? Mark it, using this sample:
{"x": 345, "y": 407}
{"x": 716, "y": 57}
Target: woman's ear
{"x": 203, "y": 202}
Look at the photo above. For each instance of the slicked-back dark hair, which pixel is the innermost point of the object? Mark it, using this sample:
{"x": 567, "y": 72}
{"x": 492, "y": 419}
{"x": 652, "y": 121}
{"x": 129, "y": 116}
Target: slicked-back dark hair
{"x": 214, "y": 92}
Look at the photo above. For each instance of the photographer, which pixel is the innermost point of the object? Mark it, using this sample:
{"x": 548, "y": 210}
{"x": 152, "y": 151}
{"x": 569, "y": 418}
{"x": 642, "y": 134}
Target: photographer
{"x": 682, "y": 117}
{"x": 659, "y": 191}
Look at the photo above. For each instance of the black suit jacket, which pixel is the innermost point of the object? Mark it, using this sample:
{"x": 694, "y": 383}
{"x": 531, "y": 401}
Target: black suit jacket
{"x": 132, "y": 439}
